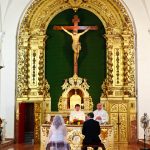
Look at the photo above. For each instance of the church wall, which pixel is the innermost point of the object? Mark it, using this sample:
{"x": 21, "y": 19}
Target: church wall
{"x": 142, "y": 23}
{"x": 8, "y": 76}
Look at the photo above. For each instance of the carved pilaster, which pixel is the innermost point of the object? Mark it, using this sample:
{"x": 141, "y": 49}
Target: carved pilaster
{"x": 109, "y": 58}
{"x": 129, "y": 62}
{"x": 46, "y": 100}
{"x": 37, "y": 121}
{"x": 36, "y": 64}
{"x": 114, "y": 80}
{"x": 120, "y": 80}
{"x": 132, "y": 136}
{"x": 22, "y": 80}
{"x": 109, "y": 65}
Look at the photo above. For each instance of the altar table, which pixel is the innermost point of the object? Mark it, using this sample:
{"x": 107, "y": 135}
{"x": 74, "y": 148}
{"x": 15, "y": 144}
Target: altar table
{"x": 75, "y": 137}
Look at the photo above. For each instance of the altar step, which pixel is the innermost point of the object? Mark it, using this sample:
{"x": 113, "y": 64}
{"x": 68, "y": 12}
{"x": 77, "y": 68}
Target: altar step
{"x": 6, "y": 143}
{"x": 29, "y": 138}
{"x": 147, "y": 143}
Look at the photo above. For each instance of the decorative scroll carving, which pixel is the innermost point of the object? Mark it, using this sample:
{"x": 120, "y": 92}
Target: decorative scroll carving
{"x": 75, "y": 81}
{"x": 75, "y": 4}
{"x": 75, "y": 139}
{"x": 129, "y": 62}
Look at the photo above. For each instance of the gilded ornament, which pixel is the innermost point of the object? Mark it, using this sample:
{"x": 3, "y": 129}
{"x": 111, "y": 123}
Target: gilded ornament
{"x": 119, "y": 85}
{"x": 75, "y": 83}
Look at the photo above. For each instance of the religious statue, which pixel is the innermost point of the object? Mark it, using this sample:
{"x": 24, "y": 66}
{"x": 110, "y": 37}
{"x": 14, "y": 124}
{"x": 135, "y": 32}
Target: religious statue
{"x": 76, "y": 45}
{"x": 85, "y": 85}
{"x": 65, "y": 85}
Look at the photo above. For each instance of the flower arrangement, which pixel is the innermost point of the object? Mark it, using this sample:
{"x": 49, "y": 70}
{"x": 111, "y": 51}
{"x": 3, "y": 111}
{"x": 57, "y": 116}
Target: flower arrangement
{"x": 74, "y": 122}
{"x": 77, "y": 121}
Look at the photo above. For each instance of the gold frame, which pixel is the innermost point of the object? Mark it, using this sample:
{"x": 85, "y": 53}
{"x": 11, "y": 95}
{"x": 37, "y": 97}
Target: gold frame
{"x": 119, "y": 85}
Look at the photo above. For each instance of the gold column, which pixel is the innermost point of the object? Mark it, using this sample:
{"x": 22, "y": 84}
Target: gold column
{"x": 119, "y": 87}
{"x": 114, "y": 79}
{"x": 129, "y": 81}
{"x": 129, "y": 62}
{"x": 37, "y": 83}
{"x": 22, "y": 61}
{"x": 35, "y": 61}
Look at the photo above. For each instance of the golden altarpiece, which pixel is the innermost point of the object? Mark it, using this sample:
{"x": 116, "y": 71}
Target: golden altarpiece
{"x": 119, "y": 94}
{"x": 75, "y": 92}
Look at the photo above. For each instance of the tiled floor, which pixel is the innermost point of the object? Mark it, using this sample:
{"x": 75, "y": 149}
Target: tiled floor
{"x": 37, "y": 147}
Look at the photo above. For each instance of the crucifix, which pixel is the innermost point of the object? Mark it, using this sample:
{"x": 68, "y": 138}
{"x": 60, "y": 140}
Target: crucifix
{"x": 76, "y": 45}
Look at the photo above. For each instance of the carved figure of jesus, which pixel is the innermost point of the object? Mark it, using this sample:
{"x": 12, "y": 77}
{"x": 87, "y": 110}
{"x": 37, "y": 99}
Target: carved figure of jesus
{"x": 76, "y": 45}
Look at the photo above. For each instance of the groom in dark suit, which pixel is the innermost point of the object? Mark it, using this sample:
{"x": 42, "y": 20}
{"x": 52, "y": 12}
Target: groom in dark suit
{"x": 91, "y": 130}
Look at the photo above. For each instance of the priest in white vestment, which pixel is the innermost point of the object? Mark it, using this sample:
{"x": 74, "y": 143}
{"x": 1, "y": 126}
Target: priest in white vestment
{"x": 100, "y": 114}
{"x": 77, "y": 114}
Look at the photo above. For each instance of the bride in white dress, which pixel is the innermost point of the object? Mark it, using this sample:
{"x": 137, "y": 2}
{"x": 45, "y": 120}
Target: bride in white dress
{"x": 57, "y": 135}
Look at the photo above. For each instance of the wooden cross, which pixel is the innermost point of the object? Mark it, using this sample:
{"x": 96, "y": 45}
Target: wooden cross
{"x": 76, "y": 44}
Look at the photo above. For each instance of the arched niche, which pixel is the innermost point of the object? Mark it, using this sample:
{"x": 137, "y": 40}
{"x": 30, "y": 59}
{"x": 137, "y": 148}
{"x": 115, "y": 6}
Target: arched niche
{"x": 59, "y": 54}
